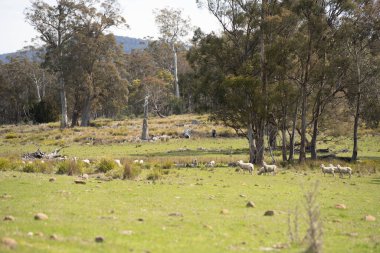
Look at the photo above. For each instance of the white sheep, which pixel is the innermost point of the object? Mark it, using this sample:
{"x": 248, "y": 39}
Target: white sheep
{"x": 270, "y": 168}
{"x": 246, "y": 166}
{"x": 261, "y": 171}
{"x": 117, "y": 161}
{"x": 86, "y": 161}
{"x": 344, "y": 170}
{"x": 136, "y": 161}
{"x": 327, "y": 170}
{"x": 141, "y": 162}
{"x": 210, "y": 164}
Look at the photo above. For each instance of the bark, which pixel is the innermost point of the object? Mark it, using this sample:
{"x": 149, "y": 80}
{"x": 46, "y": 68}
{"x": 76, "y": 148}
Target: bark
{"x": 62, "y": 92}
{"x": 264, "y": 81}
{"x": 144, "y": 134}
{"x": 175, "y": 71}
{"x": 357, "y": 111}
{"x": 252, "y": 145}
{"x": 85, "y": 121}
{"x": 283, "y": 133}
{"x": 292, "y": 136}
{"x": 302, "y": 157}
{"x": 313, "y": 144}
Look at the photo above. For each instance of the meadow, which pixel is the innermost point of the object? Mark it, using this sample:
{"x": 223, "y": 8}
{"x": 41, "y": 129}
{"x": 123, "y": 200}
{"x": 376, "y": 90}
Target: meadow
{"x": 197, "y": 209}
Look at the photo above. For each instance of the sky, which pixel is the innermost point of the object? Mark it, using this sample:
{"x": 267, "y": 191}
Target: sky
{"x": 16, "y": 33}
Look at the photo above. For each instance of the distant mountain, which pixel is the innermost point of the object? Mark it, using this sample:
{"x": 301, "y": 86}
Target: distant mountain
{"x": 128, "y": 44}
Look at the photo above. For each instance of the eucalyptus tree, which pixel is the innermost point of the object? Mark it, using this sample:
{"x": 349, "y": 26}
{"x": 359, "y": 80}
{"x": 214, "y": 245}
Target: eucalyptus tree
{"x": 173, "y": 27}
{"x": 360, "y": 33}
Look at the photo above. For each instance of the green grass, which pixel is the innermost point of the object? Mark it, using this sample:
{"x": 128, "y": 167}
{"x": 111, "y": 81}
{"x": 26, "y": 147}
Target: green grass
{"x": 79, "y": 213}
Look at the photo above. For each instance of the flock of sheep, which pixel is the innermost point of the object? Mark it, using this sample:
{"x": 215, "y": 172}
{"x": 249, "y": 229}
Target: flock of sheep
{"x": 331, "y": 169}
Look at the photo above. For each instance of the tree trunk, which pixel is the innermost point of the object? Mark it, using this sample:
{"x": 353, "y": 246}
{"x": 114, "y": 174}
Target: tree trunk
{"x": 85, "y": 121}
{"x": 144, "y": 134}
{"x": 62, "y": 92}
{"x": 292, "y": 136}
{"x": 302, "y": 157}
{"x": 175, "y": 71}
{"x": 252, "y": 145}
{"x": 264, "y": 81}
{"x": 283, "y": 133}
{"x": 313, "y": 144}
{"x": 357, "y": 112}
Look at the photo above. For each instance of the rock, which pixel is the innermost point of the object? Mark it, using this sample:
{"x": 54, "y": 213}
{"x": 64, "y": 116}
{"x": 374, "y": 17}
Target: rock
{"x": 176, "y": 214}
{"x": 30, "y": 234}
{"x": 369, "y": 218}
{"x": 250, "y": 204}
{"x": 52, "y": 179}
{"x": 99, "y": 239}
{"x": 224, "y": 211}
{"x": 85, "y": 176}
{"x": 9, "y": 218}
{"x": 340, "y": 206}
{"x": 80, "y": 181}
{"x": 127, "y": 232}
{"x": 269, "y": 213}
{"x": 140, "y": 219}
{"x": 40, "y": 234}
{"x": 41, "y": 216}
{"x": 9, "y": 242}
{"x": 242, "y": 196}
{"x": 53, "y": 237}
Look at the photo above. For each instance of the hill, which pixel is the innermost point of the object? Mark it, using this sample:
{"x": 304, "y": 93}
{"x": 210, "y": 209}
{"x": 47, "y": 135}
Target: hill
{"x": 128, "y": 44}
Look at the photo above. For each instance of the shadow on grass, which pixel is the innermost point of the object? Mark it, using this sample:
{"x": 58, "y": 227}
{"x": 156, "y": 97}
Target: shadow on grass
{"x": 375, "y": 181}
{"x": 196, "y": 153}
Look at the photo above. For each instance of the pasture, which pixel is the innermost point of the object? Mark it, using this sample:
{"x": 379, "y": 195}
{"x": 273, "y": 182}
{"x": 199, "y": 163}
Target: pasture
{"x": 197, "y": 209}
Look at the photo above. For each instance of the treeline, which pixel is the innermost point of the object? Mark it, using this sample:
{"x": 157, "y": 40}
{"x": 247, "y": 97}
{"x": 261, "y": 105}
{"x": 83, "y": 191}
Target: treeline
{"x": 285, "y": 66}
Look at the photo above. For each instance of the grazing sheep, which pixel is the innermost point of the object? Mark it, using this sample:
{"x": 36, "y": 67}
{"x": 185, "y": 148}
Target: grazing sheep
{"x": 246, "y": 166}
{"x": 136, "y": 161}
{"x": 262, "y": 170}
{"x": 210, "y": 164}
{"x": 141, "y": 162}
{"x": 270, "y": 168}
{"x": 344, "y": 170}
{"x": 327, "y": 170}
{"x": 117, "y": 161}
{"x": 86, "y": 161}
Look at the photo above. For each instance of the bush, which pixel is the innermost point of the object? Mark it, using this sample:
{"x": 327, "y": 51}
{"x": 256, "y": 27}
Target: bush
{"x": 131, "y": 171}
{"x": 154, "y": 175}
{"x": 45, "y": 112}
{"x": 106, "y": 165}
{"x": 5, "y": 164}
{"x": 167, "y": 165}
{"x": 69, "y": 167}
{"x": 30, "y": 168}
{"x": 43, "y": 167}
{"x": 115, "y": 173}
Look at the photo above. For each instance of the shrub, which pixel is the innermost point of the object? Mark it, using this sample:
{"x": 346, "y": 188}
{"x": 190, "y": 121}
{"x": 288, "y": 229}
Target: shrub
{"x": 9, "y": 136}
{"x": 167, "y": 165}
{"x": 43, "y": 167}
{"x": 115, "y": 173}
{"x": 131, "y": 171}
{"x": 5, "y": 164}
{"x": 69, "y": 167}
{"x": 154, "y": 175}
{"x": 105, "y": 165}
{"x": 30, "y": 168}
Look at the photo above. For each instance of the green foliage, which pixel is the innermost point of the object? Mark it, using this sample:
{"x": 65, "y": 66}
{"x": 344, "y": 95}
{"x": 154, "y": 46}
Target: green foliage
{"x": 105, "y": 165}
{"x": 5, "y": 164}
{"x": 30, "y": 168}
{"x": 167, "y": 165}
{"x": 131, "y": 171}
{"x": 45, "y": 112}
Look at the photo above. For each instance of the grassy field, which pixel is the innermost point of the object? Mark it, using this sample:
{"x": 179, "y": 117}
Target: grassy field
{"x": 182, "y": 210}
{"x": 134, "y": 216}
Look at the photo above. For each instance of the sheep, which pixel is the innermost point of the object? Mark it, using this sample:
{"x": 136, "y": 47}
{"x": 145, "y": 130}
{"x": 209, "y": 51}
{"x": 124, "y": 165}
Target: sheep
{"x": 117, "y": 161}
{"x": 344, "y": 170}
{"x": 141, "y": 162}
{"x": 261, "y": 171}
{"x": 210, "y": 164}
{"x": 327, "y": 170}
{"x": 136, "y": 161}
{"x": 86, "y": 161}
{"x": 270, "y": 168}
{"x": 246, "y": 166}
